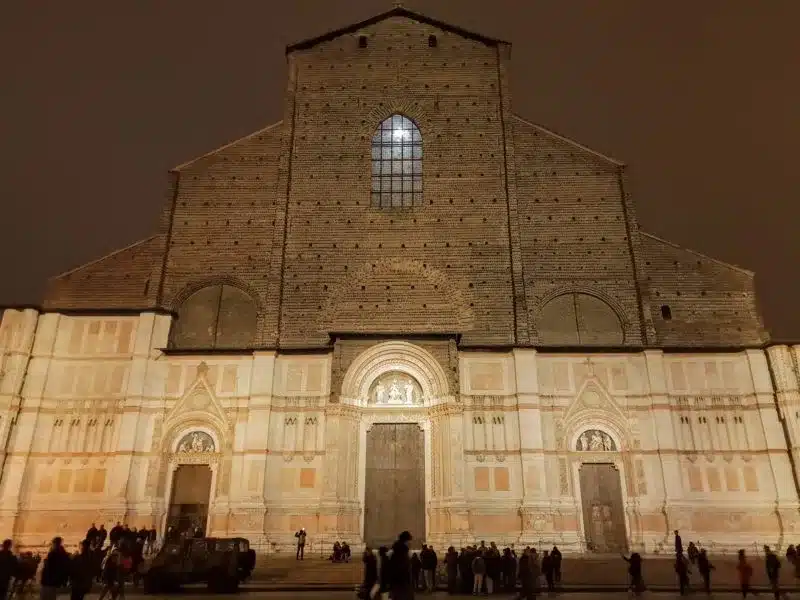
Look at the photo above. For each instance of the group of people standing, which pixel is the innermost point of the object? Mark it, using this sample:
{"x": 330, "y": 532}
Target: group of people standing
{"x": 94, "y": 562}
{"x": 479, "y": 570}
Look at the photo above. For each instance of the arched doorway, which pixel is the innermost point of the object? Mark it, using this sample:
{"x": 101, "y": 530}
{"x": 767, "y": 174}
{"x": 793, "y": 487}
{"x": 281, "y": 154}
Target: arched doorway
{"x": 192, "y": 482}
{"x": 601, "y": 492}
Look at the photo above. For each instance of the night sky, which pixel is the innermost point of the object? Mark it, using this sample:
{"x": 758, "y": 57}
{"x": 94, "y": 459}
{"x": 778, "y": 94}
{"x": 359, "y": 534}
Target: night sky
{"x": 99, "y": 99}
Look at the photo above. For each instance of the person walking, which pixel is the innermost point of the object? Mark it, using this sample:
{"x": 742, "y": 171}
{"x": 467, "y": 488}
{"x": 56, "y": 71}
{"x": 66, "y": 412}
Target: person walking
{"x": 705, "y": 567}
{"x": 81, "y": 572}
{"x": 635, "y": 573}
{"x": 8, "y": 568}
{"x": 370, "y": 586}
{"x": 55, "y": 572}
{"x": 772, "y": 565}
{"x": 401, "y": 587}
{"x": 682, "y": 570}
{"x": 745, "y": 572}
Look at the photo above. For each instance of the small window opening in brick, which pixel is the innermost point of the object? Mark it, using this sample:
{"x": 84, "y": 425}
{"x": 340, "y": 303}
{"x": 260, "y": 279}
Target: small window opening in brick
{"x": 666, "y": 312}
{"x": 432, "y": 41}
{"x": 362, "y": 41}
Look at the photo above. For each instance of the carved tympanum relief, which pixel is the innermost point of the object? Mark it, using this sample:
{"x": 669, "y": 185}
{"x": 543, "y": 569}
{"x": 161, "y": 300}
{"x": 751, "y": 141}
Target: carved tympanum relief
{"x": 594, "y": 440}
{"x": 196, "y": 442}
{"x": 395, "y": 389}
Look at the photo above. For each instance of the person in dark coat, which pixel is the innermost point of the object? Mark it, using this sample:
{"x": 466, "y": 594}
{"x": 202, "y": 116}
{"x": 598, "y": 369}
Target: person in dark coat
{"x": 102, "y": 534}
{"x": 678, "y": 543}
{"x": 8, "y": 568}
{"x": 370, "y": 573}
{"x": 635, "y": 572}
{"x": 384, "y": 571}
{"x": 465, "y": 569}
{"x": 509, "y": 562}
{"x": 91, "y": 534}
{"x": 55, "y": 572}
{"x": 548, "y": 571}
{"x": 451, "y": 563}
{"x": 401, "y": 586}
{"x": 555, "y": 556}
{"x": 772, "y": 565}
{"x": 429, "y": 563}
{"x": 115, "y": 534}
{"x": 528, "y": 573}
{"x": 81, "y": 572}
{"x": 682, "y": 570}
{"x": 493, "y": 569}
{"x": 705, "y": 567}
{"x": 416, "y": 569}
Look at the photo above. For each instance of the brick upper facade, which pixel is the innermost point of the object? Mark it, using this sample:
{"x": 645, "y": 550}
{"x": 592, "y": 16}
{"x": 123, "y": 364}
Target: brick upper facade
{"x": 523, "y": 237}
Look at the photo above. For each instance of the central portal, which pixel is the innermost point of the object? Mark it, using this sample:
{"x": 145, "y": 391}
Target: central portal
{"x": 394, "y": 483}
{"x": 191, "y": 490}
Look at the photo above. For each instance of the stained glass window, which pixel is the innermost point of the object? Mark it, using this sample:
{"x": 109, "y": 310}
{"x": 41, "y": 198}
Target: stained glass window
{"x": 397, "y": 164}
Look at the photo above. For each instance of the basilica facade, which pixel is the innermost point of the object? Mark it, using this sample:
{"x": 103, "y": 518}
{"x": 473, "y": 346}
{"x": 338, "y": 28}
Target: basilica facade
{"x": 403, "y": 306}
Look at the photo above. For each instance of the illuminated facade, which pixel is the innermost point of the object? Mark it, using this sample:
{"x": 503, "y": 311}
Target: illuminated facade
{"x": 401, "y": 306}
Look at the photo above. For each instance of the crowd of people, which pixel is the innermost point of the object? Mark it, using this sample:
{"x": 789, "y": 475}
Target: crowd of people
{"x": 397, "y": 572}
{"x": 476, "y": 570}
{"x": 110, "y": 565}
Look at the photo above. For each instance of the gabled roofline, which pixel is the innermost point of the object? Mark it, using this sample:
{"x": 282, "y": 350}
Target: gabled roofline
{"x": 221, "y": 148}
{"x": 569, "y": 141}
{"x": 397, "y": 11}
{"x": 104, "y": 257}
{"x": 699, "y": 254}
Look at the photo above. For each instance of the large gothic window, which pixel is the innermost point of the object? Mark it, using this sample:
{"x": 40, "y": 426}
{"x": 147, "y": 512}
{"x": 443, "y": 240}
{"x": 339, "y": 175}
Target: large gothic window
{"x": 217, "y": 316}
{"x": 397, "y": 164}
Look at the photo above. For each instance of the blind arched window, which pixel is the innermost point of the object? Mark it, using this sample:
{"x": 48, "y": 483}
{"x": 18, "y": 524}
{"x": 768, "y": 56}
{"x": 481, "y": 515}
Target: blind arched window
{"x": 217, "y": 316}
{"x": 396, "y": 164}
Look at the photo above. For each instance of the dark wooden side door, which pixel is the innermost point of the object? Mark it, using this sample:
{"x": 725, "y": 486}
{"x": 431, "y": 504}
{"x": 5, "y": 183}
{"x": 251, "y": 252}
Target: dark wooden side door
{"x": 394, "y": 498}
{"x": 603, "y": 512}
{"x": 191, "y": 491}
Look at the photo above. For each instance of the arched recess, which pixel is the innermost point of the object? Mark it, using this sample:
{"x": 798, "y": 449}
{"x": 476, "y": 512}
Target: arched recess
{"x": 388, "y": 357}
{"x": 579, "y": 319}
{"x": 215, "y": 316}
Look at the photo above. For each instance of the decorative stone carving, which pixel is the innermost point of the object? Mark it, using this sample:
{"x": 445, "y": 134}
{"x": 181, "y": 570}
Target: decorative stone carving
{"x": 395, "y": 389}
{"x": 594, "y": 440}
{"x": 196, "y": 442}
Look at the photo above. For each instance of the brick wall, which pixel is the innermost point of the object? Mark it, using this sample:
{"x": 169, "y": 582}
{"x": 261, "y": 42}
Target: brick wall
{"x": 513, "y": 217}
{"x": 125, "y": 279}
{"x": 441, "y": 267}
{"x": 573, "y": 228}
{"x": 223, "y": 223}
{"x": 710, "y": 303}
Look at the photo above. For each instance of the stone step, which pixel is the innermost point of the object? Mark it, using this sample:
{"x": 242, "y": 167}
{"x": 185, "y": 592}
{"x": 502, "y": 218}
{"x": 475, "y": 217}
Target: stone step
{"x": 575, "y": 572}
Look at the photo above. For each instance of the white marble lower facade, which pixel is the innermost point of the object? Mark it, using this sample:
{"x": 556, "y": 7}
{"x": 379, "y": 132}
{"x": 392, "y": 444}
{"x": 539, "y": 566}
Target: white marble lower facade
{"x": 94, "y": 419}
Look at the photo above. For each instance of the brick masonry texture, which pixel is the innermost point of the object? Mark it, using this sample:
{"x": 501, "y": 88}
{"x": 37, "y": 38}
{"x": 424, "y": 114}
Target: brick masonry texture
{"x": 514, "y": 217}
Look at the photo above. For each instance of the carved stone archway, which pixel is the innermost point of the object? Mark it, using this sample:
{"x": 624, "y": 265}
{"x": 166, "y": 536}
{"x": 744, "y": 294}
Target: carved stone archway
{"x": 401, "y": 357}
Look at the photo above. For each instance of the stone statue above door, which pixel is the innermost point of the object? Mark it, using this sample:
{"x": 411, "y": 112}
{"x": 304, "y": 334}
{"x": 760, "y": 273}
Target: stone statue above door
{"x": 395, "y": 389}
{"x": 594, "y": 440}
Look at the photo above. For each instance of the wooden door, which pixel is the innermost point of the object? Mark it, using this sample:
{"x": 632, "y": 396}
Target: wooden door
{"x": 191, "y": 491}
{"x": 603, "y": 511}
{"x": 394, "y": 495}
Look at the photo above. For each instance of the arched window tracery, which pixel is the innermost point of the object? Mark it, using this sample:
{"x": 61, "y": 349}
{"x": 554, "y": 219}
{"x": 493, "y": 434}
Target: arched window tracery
{"x": 397, "y": 164}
